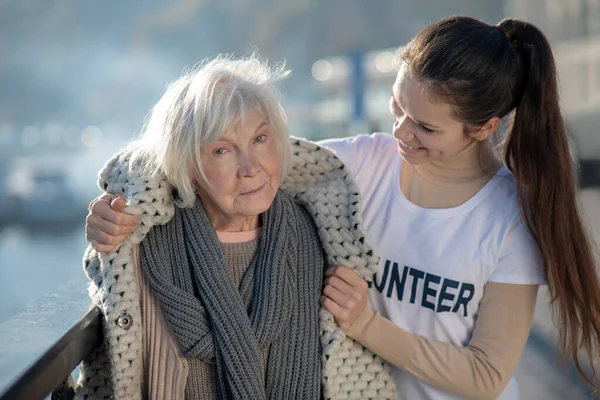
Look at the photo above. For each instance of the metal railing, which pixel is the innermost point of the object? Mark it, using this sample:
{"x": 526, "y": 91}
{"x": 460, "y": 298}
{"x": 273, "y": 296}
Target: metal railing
{"x": 51, "y": 373}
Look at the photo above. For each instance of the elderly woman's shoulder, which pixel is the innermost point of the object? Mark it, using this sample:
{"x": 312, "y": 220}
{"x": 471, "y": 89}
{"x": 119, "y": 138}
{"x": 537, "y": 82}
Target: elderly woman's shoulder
{"x": 305, "y": 222}
{"x": 311, "y": 264}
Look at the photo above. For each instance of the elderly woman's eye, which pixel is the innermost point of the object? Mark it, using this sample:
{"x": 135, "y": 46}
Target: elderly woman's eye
{"x": 219, "y": 151}
{"x": 261, "y": 138}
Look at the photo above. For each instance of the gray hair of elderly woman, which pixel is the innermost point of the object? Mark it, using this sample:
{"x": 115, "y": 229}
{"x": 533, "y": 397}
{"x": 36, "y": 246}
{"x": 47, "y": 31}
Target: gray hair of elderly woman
{"x": 198, "y": 107}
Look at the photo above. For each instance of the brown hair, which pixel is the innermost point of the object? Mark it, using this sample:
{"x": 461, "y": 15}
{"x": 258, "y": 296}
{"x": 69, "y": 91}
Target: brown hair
{"x": 486, "y": 71}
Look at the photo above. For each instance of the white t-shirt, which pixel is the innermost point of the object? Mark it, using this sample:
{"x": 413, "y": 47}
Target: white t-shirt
{"x": 434, "y": 263}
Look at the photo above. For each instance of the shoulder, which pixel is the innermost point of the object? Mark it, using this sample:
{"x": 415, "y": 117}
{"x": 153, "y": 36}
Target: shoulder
{"x": 502, "y": 198}
{"x": 307, "y": 236}
{"x": 500, "y": 204}
{"x": 148, "y": 195}
{"x": 519, "y": 259}
{"x": 362, "y": 150}
{"x": 305, "y": 222}
{"x": 359, "y": 143}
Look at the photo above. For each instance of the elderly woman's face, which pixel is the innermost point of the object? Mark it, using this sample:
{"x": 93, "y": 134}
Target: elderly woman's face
{"x": 242, "y": 172}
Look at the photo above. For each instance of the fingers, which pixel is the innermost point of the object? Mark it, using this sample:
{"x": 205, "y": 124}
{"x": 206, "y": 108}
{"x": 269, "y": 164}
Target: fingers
{"x": 339, "y": 284}
{"x": 344, "y": 295}
{"x": 100, "y": 240}
{"x": 108, "y": 197}
{"x": 118, "y": 204}
{"x": 102, "y": 208}
{"x": 335, "y": 309}
{"x": 93, "y": 232}
{"x": 336, "y": 295}
{"x": 104, "y": 197}
{"x": 101, "y": 248}
{"x": 107, "y": 225}
{"x": 348, "y": 276}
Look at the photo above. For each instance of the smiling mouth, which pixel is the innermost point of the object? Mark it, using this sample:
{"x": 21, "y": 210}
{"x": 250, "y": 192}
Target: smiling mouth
{"x": 254, "y": 191}
{"x": 409, "y": 147}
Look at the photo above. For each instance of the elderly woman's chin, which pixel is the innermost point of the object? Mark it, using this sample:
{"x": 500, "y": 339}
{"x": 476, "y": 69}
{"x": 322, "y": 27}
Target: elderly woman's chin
{"x": 256, "y": 201}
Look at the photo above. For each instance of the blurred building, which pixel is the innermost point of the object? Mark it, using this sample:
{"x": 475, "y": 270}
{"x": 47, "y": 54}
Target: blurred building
{"x": 573, "y": 28}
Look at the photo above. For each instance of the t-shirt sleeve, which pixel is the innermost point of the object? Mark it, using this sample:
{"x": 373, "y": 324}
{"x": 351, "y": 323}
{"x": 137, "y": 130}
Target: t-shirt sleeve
{"x": 479, "y": 370}
{"x": 520, "y": 260}
{"x": 355, "y": 151}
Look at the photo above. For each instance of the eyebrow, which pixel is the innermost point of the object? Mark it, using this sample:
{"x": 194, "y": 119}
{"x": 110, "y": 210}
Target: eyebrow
{"x": 261, "y": 126}
{"x": 397, "y": 104}
{"x": 258, "y": 128}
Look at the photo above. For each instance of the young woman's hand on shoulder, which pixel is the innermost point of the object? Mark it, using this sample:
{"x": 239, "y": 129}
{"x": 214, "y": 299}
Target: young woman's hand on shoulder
{"x": 107, "y": 225}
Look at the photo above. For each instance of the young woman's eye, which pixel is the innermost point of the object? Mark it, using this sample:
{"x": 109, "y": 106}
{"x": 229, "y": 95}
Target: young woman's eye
{"x": 425, "y": 129}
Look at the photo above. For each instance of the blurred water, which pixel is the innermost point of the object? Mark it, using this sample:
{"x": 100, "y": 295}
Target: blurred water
{"x": 35, "y": 263}
{"x": 37, "y": 259}
{"x": 42, "y": 293}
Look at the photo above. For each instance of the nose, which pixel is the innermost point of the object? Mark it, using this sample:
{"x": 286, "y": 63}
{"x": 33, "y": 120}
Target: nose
{"x": 402, "y": 130}
{"x": 248, "y": 165}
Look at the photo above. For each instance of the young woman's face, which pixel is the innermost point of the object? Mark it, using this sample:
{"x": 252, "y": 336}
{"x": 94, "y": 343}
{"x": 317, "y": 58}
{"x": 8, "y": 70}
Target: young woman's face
{"x": 425, "y": 129}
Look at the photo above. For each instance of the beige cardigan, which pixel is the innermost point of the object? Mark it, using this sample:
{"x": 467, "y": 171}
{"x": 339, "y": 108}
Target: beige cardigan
{"x": 165, "y": 369}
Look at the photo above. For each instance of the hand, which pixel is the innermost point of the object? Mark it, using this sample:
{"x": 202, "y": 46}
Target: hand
{"x": 345, "y": 295}
{"x": 107, "y": 225}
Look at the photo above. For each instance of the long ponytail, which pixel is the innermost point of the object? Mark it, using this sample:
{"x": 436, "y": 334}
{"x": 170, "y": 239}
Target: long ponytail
{"x": 537, "y": 152}
{"x": 486, "y": 71}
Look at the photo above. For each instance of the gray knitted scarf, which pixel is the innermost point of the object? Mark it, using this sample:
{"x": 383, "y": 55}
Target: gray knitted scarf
{"x": 276, "y": 304}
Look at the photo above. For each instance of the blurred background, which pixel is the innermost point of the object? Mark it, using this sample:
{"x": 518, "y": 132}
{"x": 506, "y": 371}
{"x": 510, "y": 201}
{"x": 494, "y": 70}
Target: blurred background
{"x": 78, "y": 78}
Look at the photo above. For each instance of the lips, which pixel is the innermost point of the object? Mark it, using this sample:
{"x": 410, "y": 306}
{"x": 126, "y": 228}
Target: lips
{"x": 408, "y": 148}
{"x": 253, "y": 191}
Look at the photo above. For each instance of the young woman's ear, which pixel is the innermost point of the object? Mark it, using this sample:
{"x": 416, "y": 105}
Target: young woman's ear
{"x": 486, "y": 130}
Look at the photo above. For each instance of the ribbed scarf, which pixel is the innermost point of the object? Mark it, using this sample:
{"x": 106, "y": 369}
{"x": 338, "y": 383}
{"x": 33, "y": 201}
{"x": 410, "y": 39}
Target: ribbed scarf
{"x": 212, "y": 319}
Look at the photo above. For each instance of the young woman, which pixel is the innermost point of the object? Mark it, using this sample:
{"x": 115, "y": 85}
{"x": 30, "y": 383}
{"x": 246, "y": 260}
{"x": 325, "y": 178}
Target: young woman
{"x": 464, "y": 237}
{"x": 464, "y": 241}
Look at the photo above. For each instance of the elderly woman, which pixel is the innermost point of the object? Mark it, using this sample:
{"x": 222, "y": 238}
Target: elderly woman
{"x": 216, "y": 293}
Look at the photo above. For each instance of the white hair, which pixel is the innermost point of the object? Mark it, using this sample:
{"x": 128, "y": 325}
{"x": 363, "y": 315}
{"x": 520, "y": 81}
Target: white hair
{"x": 197, "y": 108}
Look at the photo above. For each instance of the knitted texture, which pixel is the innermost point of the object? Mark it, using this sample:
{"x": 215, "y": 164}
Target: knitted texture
{"x": 202, "y": 379}
{"x": 319, "y": 181}
{"x": 276, "y": 304}
{"x": 238, "y": 256}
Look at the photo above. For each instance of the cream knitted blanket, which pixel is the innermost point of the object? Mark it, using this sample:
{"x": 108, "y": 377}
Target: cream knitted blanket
{"x": 319, "y": 181}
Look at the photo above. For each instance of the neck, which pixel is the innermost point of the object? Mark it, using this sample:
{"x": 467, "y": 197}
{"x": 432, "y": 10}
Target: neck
{"x": 235, "y": 224}
{"x": 471, "y": 164}
{"x": 448, "y": 183}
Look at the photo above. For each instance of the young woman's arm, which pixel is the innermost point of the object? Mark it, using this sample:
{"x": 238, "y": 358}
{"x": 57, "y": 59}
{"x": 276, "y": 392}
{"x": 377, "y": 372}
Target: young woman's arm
{"x": 479, "y": 370}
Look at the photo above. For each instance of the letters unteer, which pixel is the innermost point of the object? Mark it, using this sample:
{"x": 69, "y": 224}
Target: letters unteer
{"x": 439, "y": 294}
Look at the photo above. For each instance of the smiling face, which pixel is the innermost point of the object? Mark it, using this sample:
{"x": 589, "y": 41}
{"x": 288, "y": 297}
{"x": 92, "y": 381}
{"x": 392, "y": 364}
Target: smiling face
{"x": 426, "y": 129}
{"x": 243, "y": 172}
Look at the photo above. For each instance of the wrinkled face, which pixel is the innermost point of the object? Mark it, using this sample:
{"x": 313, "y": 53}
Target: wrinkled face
{"x": 425, "y": 129}
{"x": 242, "y": 170}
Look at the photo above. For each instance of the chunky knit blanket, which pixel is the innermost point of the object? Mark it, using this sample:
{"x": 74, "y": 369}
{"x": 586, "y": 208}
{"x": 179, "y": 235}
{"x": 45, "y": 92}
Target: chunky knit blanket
{"x": 319, "y": 181}
{"x": 273, "y": 308}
